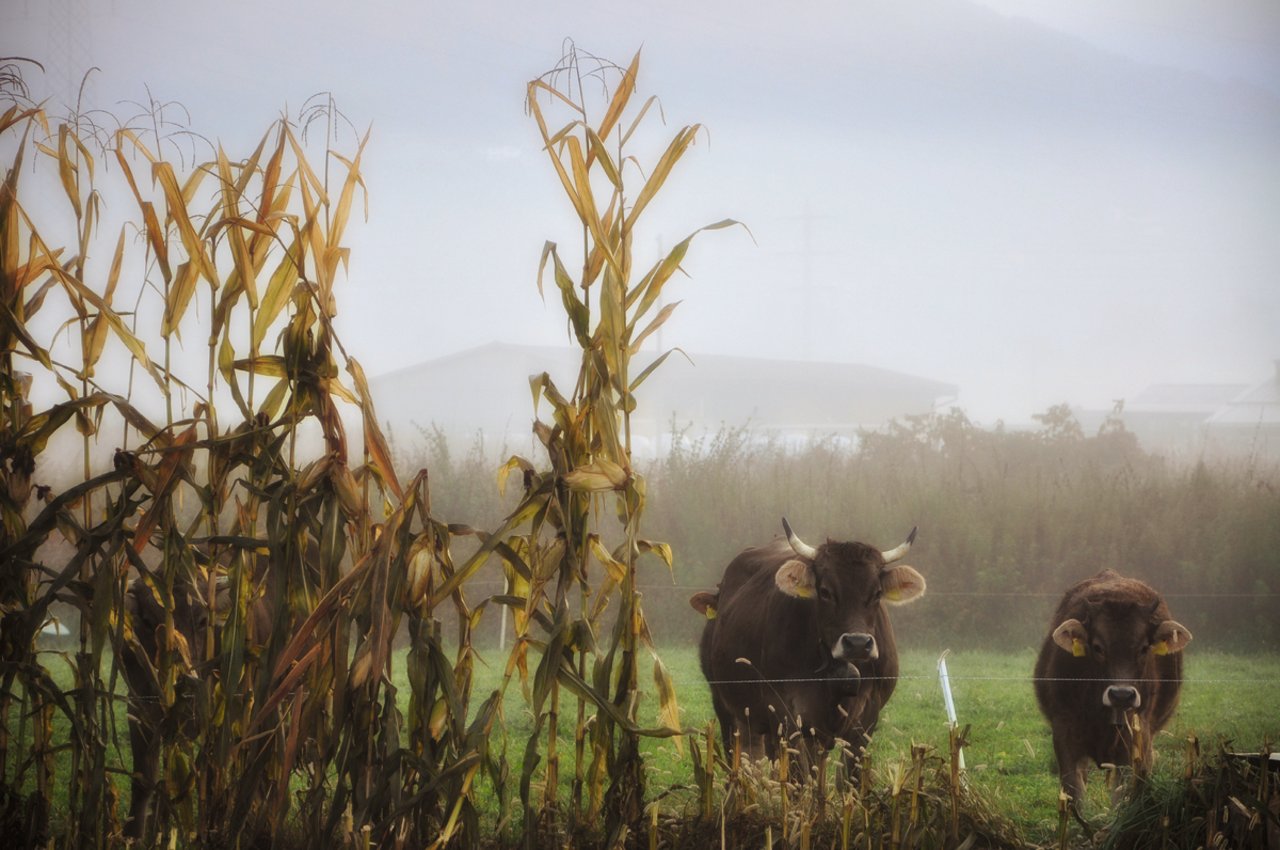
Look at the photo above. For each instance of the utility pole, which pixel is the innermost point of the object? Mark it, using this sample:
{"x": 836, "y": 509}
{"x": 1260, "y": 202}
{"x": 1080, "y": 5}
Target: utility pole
{"x": 807, "y": 285}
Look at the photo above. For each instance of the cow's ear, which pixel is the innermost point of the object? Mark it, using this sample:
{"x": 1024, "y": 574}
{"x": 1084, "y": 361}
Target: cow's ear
{"x": 1071, "y": 636}
{"x": 705, "y": 603}
{"x": 795, "y": 578}
{"x": 901, "y": 584}
{"x": 1170, "y": 636}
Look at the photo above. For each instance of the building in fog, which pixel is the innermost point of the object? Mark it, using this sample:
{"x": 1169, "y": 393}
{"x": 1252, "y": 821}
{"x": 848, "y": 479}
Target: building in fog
{"x": 484, "y": 392}
{"x": 1191, "y": 421}
{"x": 1248, "y": 424}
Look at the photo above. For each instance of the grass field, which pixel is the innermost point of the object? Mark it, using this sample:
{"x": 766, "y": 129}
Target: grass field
{"x": 1227, "y": 697}
{"x": 1010, "y": 757}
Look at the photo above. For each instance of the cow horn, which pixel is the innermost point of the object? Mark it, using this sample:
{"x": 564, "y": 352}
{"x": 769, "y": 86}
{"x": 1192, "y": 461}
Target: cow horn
{"x": 897, "y": 552}
{"x": 804, "y": 550}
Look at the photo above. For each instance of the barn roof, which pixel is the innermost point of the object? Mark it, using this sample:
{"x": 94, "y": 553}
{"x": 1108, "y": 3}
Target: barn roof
{"x": 711, "y": 389}
{"x": 1258, "y": 405}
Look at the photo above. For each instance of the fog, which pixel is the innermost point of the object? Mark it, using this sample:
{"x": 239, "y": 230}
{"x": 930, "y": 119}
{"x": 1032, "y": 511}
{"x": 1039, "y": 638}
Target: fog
{"x": 1033, "y": 202}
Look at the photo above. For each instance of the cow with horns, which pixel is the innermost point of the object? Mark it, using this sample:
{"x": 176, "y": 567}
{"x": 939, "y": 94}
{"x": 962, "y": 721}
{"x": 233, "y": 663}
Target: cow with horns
{"x": 798, "y": 641}
{"x": 1108, "y": 675}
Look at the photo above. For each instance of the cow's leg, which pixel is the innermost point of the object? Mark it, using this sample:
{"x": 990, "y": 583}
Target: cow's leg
{"x": 1071, "y": 769}
{"x": 146, "y": 763}
{"x": 727, "y": 724}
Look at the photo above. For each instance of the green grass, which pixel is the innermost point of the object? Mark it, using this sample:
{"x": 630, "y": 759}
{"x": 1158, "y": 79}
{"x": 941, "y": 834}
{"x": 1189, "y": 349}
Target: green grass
{"x": 1010, "y": 755}
{"x": 1229, "y": 697}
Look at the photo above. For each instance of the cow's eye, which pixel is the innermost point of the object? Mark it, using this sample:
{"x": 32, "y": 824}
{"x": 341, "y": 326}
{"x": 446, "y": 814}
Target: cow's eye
{"x": 1098, "y": 650}
{"x": 1144, "y": 649}
{"x": 825, "y": 594}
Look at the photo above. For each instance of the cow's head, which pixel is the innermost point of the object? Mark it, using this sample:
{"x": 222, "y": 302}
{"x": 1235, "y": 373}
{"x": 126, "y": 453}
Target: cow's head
{"x": 1121, "y": 639}
{"x": 847, "y": 583}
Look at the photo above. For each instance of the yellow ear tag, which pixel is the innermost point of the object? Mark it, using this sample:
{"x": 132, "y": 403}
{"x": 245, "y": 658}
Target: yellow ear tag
{"x": 1161, "y": 648}
{"x": 1077, "y": 648}
{"x": 711, "y": 612}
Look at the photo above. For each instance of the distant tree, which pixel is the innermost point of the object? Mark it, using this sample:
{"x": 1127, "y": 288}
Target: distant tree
{"x": 1059, "y": 423}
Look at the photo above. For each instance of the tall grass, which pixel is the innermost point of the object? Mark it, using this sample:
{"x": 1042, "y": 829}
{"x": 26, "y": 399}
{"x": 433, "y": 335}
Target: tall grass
{"x": 1008, "y": 520}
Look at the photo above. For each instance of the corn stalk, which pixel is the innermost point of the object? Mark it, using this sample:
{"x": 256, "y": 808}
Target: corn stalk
{"x": 282, "y": 575}
{"x": 560, "y": 598}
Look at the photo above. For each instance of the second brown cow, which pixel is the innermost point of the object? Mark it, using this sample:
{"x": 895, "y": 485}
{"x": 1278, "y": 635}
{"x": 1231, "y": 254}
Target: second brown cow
{"x": 1108, "y": 675}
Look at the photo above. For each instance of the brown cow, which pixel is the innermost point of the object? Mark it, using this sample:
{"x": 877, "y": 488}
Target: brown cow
{"x": 1108, "y": 674}
{"x": 798, "y": 639}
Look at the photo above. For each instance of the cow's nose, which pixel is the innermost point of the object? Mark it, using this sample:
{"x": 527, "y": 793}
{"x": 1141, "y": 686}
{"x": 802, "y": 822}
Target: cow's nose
{"x": 856, "y": 646}
{"x": 1122, "y": 697}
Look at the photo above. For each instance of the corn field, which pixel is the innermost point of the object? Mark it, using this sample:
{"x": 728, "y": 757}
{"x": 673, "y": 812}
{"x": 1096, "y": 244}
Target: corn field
{"x": 197, "y": 488}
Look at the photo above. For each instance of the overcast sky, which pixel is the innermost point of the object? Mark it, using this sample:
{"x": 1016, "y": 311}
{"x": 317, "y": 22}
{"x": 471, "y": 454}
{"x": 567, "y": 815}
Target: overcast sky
{"x": 1036, "y": 200}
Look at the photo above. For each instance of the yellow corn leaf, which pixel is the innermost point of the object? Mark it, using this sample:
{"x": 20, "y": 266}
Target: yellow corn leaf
{"x": 300, "y": 156}
{"x": 599, "y": 475}
{"x": 175, "y": 199}
{"x": 277, "y": 294}
{"x": 659, "y": 321}
{"x": 668, "y": 705}
{"x": 226, "y": 358}
{"x": 240, "y": 255}
{"x": 180, "y": 294}
{"x": 621, "y": 95}
{"x": 37, "y": 299}
{"x": 587, "y": 204}
{"x": 31, "y": 270}
{"x": 14, "y": 116}
{"x": 159, "y": 245}
{"x": 271, "y": 177}
{"x": 152, "y": 226}
{"x": 175, "y": 455}
{"x": 375, "y": 444}
{"x": 542, "y": 386}
{"x": 96, "y": 335}
{"x": 343, "y": 210}
{"x": 523, "y": 513}
{"x": 574, "y": 308}
{"x": 131, "y": 342}
{"x": 601, "y": 153}
{"x": 264, "y": 364}
{"x": 662, "y": 550}
{"x": 138, "y": 144}
{"x": 650, "y": 287}
{"x": 683, "y": 139}
{"x": 613, "y": 317}
{"x": 595, "y": 262}
{"x": 513, "y": 463}
{"x": 311, "y": 228}
{"x": 565, "y": 181}
{"x": 658, "y": 361}
{"x": 617, "y": 570}
{"x": 539, "y": 85}
{"x": 335, "y": 387}
{"x": 10, "y": 323}
{"x": 67, "y": 171}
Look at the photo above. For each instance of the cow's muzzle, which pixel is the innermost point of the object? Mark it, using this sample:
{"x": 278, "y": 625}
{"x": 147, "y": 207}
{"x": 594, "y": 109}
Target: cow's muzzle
{"x": 855, "y": 646}
{"x": 1122, "y": 696}
{"x": 1121, "y": 699}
